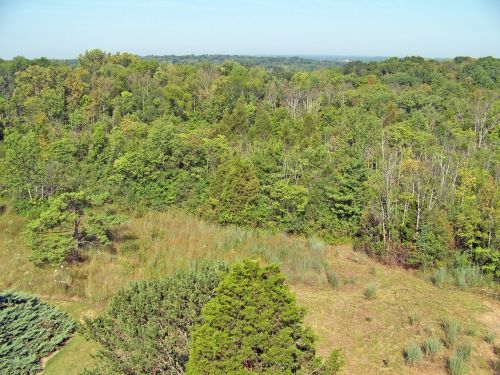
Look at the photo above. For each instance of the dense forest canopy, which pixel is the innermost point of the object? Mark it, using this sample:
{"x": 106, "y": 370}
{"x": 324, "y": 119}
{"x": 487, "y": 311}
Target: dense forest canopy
{"x": 400, "y": 155}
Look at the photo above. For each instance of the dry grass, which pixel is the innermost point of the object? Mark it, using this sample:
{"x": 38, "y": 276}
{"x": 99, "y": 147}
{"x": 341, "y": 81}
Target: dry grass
{"x": 372, "y": 333}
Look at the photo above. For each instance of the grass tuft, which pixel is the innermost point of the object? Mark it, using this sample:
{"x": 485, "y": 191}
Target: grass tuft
{"x": 414, "y": 319}
{"x": 456, "y": 364}
{"x": 413, "y": 354}
{"x": 332, "y": 279}
{"x": 370, "y": 292}
{"x": 432, "y": 346}
{"x": 490, "y": 337}
{"x": 451, "y": 331}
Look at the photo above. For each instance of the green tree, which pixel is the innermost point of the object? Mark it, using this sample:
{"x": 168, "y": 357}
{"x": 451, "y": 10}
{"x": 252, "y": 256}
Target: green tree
{"x": 252, "y": 326}
{"x": 70, "y": 224}
{"x": 146, "y": 328}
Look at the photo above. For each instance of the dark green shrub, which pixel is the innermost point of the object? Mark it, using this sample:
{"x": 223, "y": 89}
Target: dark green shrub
{"x": 253, "y": 325}
{"x": 29, "y": 330}
{"x": 146, "y": 328}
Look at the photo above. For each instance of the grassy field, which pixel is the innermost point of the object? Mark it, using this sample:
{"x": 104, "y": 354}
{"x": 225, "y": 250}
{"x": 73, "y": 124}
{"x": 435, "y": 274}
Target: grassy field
{"x": 372, "y": 327}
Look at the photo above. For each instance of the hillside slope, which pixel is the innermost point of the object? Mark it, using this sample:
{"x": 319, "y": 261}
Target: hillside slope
{"x": 371, "y": 332}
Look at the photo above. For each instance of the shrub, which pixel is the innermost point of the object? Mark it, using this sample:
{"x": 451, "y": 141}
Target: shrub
{"x": 252, "y": 325}
{"x": 146, "y": 328}
{"x": 413, "y": 354}
{"x": 490, "y": 337}
{"x": 370, "y": 292}
{"x": 30, "y": 330}
{"x": 451, "y": 331}
{"x": 456, "y": 364}
{"x": 432, "y": 346}
{"x": 68, "y": 225}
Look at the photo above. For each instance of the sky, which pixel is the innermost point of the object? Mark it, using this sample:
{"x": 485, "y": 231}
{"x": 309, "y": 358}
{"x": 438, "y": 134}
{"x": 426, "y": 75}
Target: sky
{"x": 428, "y": 28}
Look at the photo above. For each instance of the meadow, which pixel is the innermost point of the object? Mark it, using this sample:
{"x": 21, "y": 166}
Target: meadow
{"x": 372, "y": 311}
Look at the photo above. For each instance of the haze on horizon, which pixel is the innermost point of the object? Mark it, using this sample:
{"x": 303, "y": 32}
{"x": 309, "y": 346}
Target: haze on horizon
{"x": 64, "y": 29}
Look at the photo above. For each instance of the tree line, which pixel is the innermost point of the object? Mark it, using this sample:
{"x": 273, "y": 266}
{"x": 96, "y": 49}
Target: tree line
{"x": 399, "y": 155}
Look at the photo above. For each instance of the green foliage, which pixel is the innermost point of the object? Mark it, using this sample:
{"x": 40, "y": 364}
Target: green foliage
{"x": 399, "y": 154}
{"x": 69, "y": 224}
{"x": 146, "y": 328}
{"x": 432, "y": 346}
{"x": 31, "y": 330}
{"x": 253, "y": 325}
{"x": 413, "y": 354}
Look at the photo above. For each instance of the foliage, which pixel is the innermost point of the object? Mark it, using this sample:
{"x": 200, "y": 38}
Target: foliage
{"x": 68, "y": 225}
{"x": 253, "y": 325}
{"x": 399, "y": 154}
{"x": 146, "y": 328}
{"x": 31, "y": 330}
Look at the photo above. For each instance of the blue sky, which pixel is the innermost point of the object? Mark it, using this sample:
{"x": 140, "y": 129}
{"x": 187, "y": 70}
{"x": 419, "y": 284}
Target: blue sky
{"x": 429, "y": 28}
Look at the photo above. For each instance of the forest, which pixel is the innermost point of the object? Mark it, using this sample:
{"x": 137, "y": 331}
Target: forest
{"x": 188, "y": 207}
{"x": 399, "y": 156}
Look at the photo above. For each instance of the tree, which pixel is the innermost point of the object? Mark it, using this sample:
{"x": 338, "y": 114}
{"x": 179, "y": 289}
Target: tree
{"x": 69, "y": 224}
{"x": 252, "y": 326}
{"x": 146, "y": 329}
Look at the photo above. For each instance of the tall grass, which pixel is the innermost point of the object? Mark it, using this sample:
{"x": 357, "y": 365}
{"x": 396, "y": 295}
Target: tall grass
{"x": 461, "y": 277}
{"x": 151, "y": 246}
{"x": 432, "y": 346}
{"x": 413, "y": 354}
{"x": 451, "y": 331}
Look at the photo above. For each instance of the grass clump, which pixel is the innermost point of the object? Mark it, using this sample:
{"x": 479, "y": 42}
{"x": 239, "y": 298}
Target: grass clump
{"x": 413, "y": 354}
{"x": 316, "y": 244}
{"x": 414, "y": 319}
{"x": 332, "y": 279}
{"x": 440, "y": 277}
{"x": 451, "y": 331}
{"x": 490, "y": 337}
{"x": 464, "y": 351}
{"x": 432, "y": 346}
{"x": 370, "y": 292}
{"x": 457, "y": 365}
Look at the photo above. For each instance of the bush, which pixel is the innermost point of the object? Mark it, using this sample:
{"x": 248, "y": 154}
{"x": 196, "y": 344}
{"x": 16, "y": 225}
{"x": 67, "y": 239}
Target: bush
{"x": 432, "y": 346}
{"x": 456, "y": 364}
{"x": 413, "y": 354}
{"x": 146, "y": 328}
{"x": 370, "y": 292}
{"x": 30, "y": 330}
{"x": 451, "y": 331}
{"x": 253, "y": 325}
